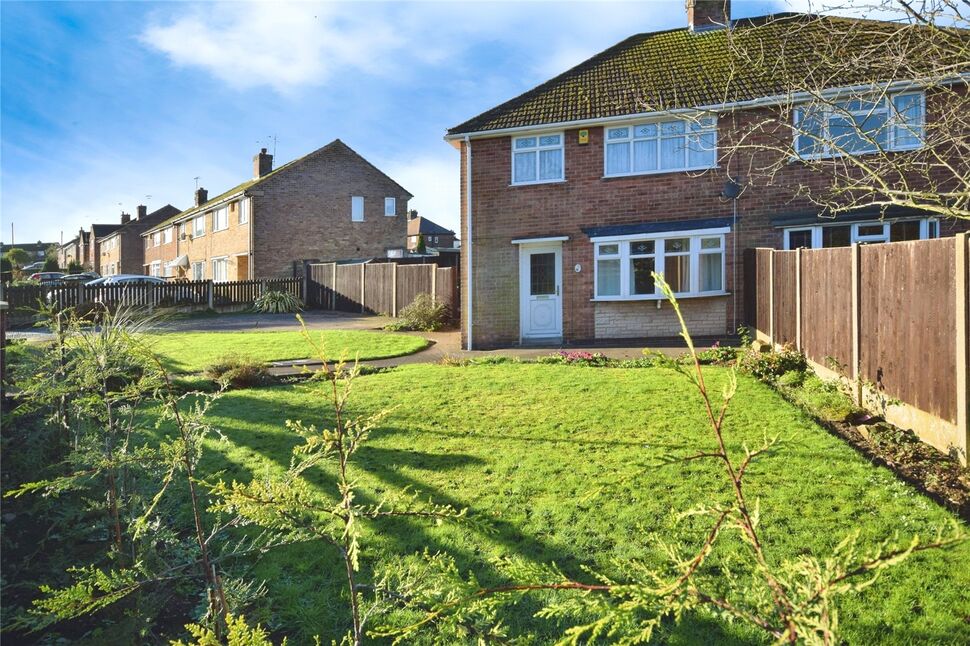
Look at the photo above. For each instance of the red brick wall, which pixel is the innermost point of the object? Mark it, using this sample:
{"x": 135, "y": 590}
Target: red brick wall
{"x": 502, "y": 213}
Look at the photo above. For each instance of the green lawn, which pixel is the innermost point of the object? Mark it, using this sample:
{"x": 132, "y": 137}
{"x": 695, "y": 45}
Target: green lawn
{"x": 194, "y": 351}
{"x": 564, "y": 463}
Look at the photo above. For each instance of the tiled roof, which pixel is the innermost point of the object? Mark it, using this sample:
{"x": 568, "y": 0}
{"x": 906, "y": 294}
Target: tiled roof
{"x": 156, "y": 216}
{"x": 101, "y": 230}
{"x": 333, "y": 145}
{"x": 424, "y": 226}
{"x": 680, "y": 69}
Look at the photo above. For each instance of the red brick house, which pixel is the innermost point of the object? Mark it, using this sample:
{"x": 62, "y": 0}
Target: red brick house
{"x": 572, "y": 194}
{"x": 435, "y": 236}
{"x": 121, "y": 251}
{"x": 330, "y": 204}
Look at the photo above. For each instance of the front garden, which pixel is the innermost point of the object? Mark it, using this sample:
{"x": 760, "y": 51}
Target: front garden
{"x": 589, "y": 468}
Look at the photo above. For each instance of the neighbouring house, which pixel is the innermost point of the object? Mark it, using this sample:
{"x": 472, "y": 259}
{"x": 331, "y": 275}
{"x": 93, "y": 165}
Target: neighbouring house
{"x": 122, "y": 251}
{"x": 84, "y": 249}
{"x": 329, "y": 204}
{"x": 572, "y": 194}
{"x": 69, "y": 252}
{"x": 435, "y": 236}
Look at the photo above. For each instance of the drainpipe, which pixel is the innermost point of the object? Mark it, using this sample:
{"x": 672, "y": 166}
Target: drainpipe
{"x": 468, "y": 242}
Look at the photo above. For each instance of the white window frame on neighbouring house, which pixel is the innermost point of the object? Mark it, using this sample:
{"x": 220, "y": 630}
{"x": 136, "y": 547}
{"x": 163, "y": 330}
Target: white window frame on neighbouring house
{"x": 624, "y": 249}
{"x": 639, "y": 148}
{"x": 243, "y": 207}
{"x": 390, "y": 206}
{"x": 155, "y": 269}
{"x": 167, "y": 235}
{"x": 220, "y": 219}
{"x": 198, "y": 270}
{"x": 864, "y": 232}
{"x": 902, "y": 117}
{"x": 528, "y": 153}
{"x": 356, "y": 208}
{"x": 220, "y": 265}
{"x": 198, "y": 226}
{"x": 156, "y": 238}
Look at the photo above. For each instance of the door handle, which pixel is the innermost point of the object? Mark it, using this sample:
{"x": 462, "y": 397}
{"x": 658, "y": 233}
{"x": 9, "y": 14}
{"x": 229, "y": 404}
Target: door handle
{"x": 557, "y": 290}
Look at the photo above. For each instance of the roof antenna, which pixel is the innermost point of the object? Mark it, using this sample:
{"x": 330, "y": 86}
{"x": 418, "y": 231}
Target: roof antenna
{"x": 273, "y": 137}
{"x": 196, "y": 183}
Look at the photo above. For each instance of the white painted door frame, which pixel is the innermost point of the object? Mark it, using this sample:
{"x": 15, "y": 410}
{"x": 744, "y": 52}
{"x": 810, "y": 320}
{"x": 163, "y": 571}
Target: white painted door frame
{"x": 535, "y": 310}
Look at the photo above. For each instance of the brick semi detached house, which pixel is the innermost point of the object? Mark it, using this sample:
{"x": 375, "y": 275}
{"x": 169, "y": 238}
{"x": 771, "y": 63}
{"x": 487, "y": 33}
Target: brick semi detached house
{"x": 330, "y": 204}
{"x": 573, "y": 192}
{"x": 122, "y": 251}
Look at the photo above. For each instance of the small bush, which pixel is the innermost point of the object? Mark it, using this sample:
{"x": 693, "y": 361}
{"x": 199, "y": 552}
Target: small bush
{"x": 792, "y": 379}
{"x": 277, "y": 302}
{"x": 237, "y": 372}
{"x": 769, "y": 366}
{"x": 422, "y": 315}
{"x": 718, "y": 354}
{"x": 576, "y": 357}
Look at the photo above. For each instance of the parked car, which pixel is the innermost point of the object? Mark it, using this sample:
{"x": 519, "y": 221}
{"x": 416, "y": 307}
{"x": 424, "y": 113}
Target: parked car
{"x": 47, "y": 277}
{"x": 34, "y": 266}
{"x": 97, "y": 281}
{"x": 129, "y": 279}
{"x": 85, "y": 277}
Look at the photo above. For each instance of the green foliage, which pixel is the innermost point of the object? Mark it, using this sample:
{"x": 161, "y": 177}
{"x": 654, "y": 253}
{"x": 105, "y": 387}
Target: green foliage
{"x": 423, "y": 314}
{"x": 238, "y": 633}
{"x": 50, "y": 264}
{"x": 718, "y": 354}
{"x": 422, "y": 246}
{"x": 769, "y": 366}
{"x": 17, "y": 257}
{"x": 277, "y": 302}
{"x": 237, "y": 371}
{"x": 6, "y": 270}
{"x": 576, "y": 358}
{"x": 74, "y": 267}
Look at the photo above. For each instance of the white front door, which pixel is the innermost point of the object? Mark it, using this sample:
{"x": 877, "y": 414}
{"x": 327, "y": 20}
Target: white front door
{"x": 540, "y": 289}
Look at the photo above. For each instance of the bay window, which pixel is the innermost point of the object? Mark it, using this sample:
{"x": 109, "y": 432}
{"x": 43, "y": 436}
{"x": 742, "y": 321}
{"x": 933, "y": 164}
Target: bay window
{"x": 692, "y": 263}
{"x": 663, "y": 146}
{"x": 857, "y": 126}
{"x": 537, "y": 159}
{"x": 843, "y": 235}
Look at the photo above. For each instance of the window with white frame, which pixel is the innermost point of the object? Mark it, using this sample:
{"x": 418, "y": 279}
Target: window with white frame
{"x": 220, "y": 219}
{"x": 243, "y": 206}
{"x": 198, "y": 226}
{"x": 155, "y": 268}
{"x": 691, "y": 262}
{"x": 220, "y": 270}
{"x": 357, "y": 208}
{"x": 167, "y": 237}
{"x": 537, "y": 159}
{"x": 390, "y": 206}
{"x": 169, "y": 270}
{"x": 198, "y": 271}
{"x": 660, "y": 146}
{"x": 156, "y": 238}
{"x": 843, "y": 235}
{"x": 857, "y": 126}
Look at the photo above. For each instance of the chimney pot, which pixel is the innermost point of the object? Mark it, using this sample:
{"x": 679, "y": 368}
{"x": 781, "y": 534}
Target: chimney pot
{"x": 201, "y": 196}
{"x": 125, "y": 217}
{"x": 142, "y": 211}
{"x": 704, "y": 15}
{"x": 262, "y": 164}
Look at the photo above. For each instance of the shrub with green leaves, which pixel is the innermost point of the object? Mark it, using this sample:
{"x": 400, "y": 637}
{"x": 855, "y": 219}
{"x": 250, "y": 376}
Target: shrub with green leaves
{"x": 769, "y": 366}
{"x": 277, "y": 302}
{"x": 237, "y": 371}
{"x": 424, "y": 314}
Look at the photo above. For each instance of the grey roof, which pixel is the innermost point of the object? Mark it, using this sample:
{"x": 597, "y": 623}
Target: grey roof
{"x": 424, "y": 226}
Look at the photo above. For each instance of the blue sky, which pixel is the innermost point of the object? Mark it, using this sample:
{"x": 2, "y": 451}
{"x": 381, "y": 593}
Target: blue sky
{"x": 103, "y": 104}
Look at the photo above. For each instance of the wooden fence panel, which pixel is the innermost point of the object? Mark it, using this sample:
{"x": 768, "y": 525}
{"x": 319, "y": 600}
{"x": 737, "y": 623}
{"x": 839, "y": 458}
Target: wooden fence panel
{"x": 908, "y": 323}
{"x": 347, "y": 287}
{"x": 379, "y": 288}
{"x": 446, "y": 287}
{"x": 762, "y": 319}
{"x": 411, "y": 281}
{"x": 827, "y": 306}
{"x": 293, "y": 286}
{"x": 785, "y": 297}
{"x": 320, "y": 285}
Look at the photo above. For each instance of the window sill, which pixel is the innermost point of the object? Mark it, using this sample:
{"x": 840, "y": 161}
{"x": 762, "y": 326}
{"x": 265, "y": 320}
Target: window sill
{"x": 540, "y": 183}
{"x": 664, "y": 171}
{"x": 654, "y": 297}
{"x": 793, "y": 159}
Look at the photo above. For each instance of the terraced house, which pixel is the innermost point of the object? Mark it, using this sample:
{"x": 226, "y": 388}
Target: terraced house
{"x": 121, "y": 251}
{"x": 331, "y": 204}
{"x": 575, "y": 191}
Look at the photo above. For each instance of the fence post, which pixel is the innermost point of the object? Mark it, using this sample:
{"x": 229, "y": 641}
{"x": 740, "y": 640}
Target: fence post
{"x": 856, "y": 323}
{"x": 963, "y": 351}
{"x": 434, "y": 282}
{"x": 305, "y": 285}
{"x": 798, "y": 299}
{"x": 80, "y": 293}
{"x": 333, "y": 286}
{"x": 363, "y": 270}
{"x": 394, "y": 290}
{"x": 209, "y": 294}
{"x": 771, "y": 298}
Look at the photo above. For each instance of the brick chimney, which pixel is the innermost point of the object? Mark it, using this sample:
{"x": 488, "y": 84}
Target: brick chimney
{"x": 262, "y": 164}
{"x": 201, "y": 196}
{"x": 142, "y": 211}
{"x": 704, "y": 15}
{"x": 412, "y": 214}
{"x": 125, "y": 217}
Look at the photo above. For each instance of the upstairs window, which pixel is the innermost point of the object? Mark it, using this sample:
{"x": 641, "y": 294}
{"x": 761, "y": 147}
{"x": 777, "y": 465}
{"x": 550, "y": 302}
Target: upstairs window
{"x": 357, "y": 208}
{"x": 220, "y": 219}
{"x": 659, "y": 147}
{"x": 537, "y": 159}
{"x": 156, "y": 238}
{"x": 390, "y": 206}
{"x": 693, "y": 265}
{"x": 243, "y": 206}
{"x": 167, "y": 235}
{"x": 198, "y": 226}
{"x": 860, "y": 126}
